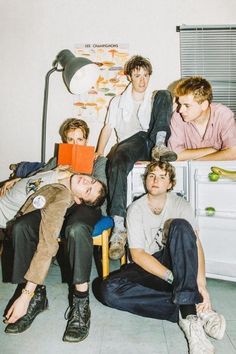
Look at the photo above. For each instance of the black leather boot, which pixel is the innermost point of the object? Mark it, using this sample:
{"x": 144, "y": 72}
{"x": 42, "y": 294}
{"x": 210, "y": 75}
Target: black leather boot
{"x": 38, "y": 303}
{"x": 78, "y": 324}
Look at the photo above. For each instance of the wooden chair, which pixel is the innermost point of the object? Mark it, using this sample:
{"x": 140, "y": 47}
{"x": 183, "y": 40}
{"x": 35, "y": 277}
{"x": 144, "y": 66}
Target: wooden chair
{"x": 101, "y": 234}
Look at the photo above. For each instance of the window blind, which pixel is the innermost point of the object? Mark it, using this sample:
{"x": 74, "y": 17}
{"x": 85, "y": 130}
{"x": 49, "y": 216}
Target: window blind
{"x": 210, "y": 51}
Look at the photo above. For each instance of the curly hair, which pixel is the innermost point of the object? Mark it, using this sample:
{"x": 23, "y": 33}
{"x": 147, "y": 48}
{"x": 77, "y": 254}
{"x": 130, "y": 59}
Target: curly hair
{"x": 165, "y": 166}
{"x": 197, "y": 86}
{"x": 72, "y": 124}
{"x": 137, "y": 62}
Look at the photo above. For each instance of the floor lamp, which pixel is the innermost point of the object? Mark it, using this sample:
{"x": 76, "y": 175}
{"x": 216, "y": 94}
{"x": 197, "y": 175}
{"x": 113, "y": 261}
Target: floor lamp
{"x": 79, "y": 75}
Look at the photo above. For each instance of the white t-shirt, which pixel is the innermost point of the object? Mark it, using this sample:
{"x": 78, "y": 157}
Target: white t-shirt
{"x": 145, "y": 228}
{"x": 125, "y": 130}
{"x": 17, "y": 195}
{"x": 128, "y": 117}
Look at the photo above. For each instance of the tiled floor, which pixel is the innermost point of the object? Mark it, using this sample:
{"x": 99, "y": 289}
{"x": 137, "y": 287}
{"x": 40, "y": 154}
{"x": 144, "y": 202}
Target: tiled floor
{"x": 112, "y": 331}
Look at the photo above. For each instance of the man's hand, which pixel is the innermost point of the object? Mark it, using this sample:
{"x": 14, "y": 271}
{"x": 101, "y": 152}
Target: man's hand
{"x": 8, "y": 185}
{"x": 62, "y": 168}
{"x": 63, "y": 171}
{"x": 18, "y": 309}
{"x": 205, "y": 305}
{"x": 97, "y": 155}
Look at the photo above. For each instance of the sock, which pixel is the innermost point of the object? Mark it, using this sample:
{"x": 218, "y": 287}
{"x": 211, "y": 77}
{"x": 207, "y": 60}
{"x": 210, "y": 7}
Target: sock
{"x": 40, "y": 287}
{"x": 160, "y": 138}
{"x": 119, "y": 222}
{"x": 186, "y": 310}
{"x": 81, "y": 294}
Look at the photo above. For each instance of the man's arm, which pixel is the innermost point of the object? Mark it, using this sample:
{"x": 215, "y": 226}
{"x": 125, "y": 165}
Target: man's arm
{"x": 20, "y": 306}
{"x": 8, "y": 185}
{"x": 99, "y": 172}
{"x": 103, "y": 139}
{"x": 196, "y": 154}
{"x": 148, "y": 263}
{"x": 221, "y": 155}
{"x": 205, "y": 305}
{"x": 208, "y": 154}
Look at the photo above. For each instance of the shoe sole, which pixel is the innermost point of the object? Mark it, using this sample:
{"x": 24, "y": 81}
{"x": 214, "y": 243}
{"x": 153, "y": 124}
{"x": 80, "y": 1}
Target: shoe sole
{"x": 115, "y": 257}
{"x": 203, "y": 350}
{"x": 77, "y": 341}
{"x": 222, "y": 327}
{"x": 168, "y": 157}
{"x": 74, "y": 341}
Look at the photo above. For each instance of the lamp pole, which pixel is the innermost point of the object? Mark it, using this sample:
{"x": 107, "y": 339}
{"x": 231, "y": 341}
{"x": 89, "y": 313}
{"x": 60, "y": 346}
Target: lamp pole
{"x": 45, "y": 108}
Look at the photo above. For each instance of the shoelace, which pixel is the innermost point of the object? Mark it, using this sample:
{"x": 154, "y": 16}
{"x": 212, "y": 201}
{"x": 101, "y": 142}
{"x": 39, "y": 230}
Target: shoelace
{"x": 71, "y": 312}
{"x": 118, "y": 237}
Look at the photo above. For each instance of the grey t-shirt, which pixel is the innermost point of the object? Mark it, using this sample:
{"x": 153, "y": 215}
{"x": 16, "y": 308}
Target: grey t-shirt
{"x": 11, "y": 202}
{"x": 145, "y": 228}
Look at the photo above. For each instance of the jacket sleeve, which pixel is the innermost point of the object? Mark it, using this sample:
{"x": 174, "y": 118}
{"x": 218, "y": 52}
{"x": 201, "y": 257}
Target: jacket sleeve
{"x": 99, "y": 172}
{"x": 51, "y": 222}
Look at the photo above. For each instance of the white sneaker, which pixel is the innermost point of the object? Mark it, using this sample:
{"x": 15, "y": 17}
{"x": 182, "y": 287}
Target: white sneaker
{"x": 214, "y": 324}
{"x": 117, "y": 244}
{"x": 197, "y": 341}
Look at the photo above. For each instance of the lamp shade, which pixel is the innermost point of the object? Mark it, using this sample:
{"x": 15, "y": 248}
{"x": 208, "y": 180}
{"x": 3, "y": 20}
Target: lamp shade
{"x": 79, "y": 74}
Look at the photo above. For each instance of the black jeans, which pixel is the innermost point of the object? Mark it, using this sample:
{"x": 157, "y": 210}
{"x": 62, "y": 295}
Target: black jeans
{"x": 77, "y": 228}
{"x": 137, "y": 291}
{"x": 123, "y": 156}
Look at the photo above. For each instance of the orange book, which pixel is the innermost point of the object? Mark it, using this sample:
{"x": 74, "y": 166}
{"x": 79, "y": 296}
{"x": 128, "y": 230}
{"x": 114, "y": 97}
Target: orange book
{"x": 64, "y": 156}
{"x": 80, "y": 158}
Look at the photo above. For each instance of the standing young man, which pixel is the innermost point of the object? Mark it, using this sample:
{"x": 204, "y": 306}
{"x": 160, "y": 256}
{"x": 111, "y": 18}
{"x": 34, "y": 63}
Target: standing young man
{"x": 167, "y": 279}
{"x": 141, "y": 122}
{"x": 200, "y": 129}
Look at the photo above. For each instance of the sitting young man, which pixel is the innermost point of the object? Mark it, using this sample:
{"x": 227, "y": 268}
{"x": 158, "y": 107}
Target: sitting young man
{"x": 53, "y": 201}
{"x": 77, "y": 228}
{"x": 167, "y": 279}
{"x": 200, "y": 129}
{"x": 140, "y": 119}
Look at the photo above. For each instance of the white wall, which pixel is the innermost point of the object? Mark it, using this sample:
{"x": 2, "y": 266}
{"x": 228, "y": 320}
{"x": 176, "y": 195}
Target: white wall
{"x": 32, "y": 32}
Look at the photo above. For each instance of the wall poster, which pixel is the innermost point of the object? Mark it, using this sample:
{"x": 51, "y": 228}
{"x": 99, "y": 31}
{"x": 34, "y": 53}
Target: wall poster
{"x": 92, "y": 106}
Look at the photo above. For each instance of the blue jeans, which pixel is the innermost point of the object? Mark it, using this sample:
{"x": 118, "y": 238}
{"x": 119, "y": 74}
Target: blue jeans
{"x": 123, "y": 156}
{"x": 135, "y": 290}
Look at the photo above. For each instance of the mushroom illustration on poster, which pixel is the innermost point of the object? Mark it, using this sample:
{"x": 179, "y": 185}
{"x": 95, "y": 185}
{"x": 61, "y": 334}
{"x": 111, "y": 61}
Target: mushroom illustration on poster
{"x": 110, "y": 58}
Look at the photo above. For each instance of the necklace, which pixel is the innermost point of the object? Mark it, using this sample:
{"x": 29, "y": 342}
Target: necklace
{"x": 156, "y": 210}
{"x": 202, "y": 128}
{"x": 160, "y": 212}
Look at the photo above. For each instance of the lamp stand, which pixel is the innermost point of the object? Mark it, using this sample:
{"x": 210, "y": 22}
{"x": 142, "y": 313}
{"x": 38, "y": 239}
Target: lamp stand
{"x": 44, "y": 118}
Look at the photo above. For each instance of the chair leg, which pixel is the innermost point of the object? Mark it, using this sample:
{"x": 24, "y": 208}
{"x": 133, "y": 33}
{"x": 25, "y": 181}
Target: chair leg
{"x": 97, "y": 254}
{"x": 105, "y": 257}
{"x": 123, "y": 260}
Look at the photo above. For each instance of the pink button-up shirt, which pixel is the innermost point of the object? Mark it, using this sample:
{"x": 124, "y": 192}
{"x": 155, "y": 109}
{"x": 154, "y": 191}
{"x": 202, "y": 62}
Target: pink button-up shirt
{"x": 220, "y": 132}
